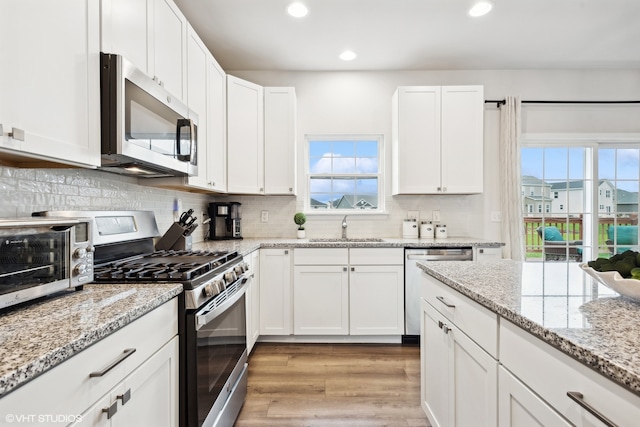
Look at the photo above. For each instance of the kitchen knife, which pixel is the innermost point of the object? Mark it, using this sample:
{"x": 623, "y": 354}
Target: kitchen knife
{"x": 185, "y": 217}
{"x": 190, "y": 222}
{"x": 189, "y": 230}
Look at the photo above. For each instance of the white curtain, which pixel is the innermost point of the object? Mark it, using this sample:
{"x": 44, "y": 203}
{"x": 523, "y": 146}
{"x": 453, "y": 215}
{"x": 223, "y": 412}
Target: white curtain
{"x": 512, "y": 222}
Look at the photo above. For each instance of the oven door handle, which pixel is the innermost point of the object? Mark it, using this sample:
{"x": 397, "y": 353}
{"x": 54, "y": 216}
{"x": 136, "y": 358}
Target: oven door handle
{"x": 208, "y": 313}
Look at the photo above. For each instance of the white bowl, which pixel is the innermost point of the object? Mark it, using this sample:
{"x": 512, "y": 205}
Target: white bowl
{"x": 613, "y": 280}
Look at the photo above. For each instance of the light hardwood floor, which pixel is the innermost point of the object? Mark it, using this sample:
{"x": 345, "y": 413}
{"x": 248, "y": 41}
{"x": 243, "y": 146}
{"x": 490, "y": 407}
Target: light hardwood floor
{"x": 333, "y": 385}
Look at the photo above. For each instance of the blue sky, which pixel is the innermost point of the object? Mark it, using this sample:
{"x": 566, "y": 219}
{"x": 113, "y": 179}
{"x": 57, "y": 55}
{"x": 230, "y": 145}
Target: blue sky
{"x": 621, "y": 166}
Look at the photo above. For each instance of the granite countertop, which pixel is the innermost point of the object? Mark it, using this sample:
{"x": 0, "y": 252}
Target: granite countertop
{"x": 41, "y": 335}
{"x": 245, "y": 246}
{"x": 560, "y": 304}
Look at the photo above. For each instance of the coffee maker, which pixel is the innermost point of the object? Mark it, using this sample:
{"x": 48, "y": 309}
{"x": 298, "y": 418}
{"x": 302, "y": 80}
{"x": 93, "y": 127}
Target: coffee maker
{"x": 225, "y": 221}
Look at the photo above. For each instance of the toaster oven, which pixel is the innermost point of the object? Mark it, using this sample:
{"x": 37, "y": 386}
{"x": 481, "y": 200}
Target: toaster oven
{"x": 41, "y": 256}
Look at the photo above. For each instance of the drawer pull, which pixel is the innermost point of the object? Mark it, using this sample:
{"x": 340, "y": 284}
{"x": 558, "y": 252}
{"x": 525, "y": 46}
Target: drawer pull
{"x": 125, "y": 397}
{"x": 126, "y": 353}
{"x": 111, "y": 410}
{"x": 578, "y": 397}
{"x": 442, "y": 300}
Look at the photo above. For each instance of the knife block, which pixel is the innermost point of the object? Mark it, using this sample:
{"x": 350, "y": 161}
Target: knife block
{"x": 182, "y": 244}
{"x": 171, "y": 237}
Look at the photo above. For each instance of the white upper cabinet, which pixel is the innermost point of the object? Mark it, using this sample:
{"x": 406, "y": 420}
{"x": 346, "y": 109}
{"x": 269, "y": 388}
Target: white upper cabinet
{"x": 168, "y": 58}
{"x": 197, "y": 61}
{"x": 152, "y": 34}
{"x": 261, "y": 142}
{"x": 280, "y": 140}
{"x": 437, "y": 140}
{"x": 49, "y": 83}
{"x": 245, "y": 137}
{"x": 216, "y": 126}
{"x": 126, "y": 30}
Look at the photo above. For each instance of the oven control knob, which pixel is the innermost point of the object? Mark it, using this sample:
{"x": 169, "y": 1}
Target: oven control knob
{"x": 239, "y": 269}
{"x": 209, "y": 290}
{"x": 80, "y": 269}
{"x": 220, "y": 285}
{"x": 230, "y": 276}
{"x": 80, "y": 253}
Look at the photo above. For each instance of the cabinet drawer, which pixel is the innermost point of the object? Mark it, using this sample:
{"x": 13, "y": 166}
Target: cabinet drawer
{"x": 321, "y": 256}
{"x": 480, "y": 324}
{"x": 551, "y": 374}
{"x": 68, "y": 387}
{"x": 376, "y": 256}
{"x": 487, "y": 254}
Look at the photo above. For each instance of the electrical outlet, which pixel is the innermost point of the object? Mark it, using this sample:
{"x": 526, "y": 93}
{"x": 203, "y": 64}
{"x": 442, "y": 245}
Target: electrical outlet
{"x": 264, "y": 216}
{"x": 496, "y": 216}
{"x": 412, "y": 215}
{"x": 436, "y": 216}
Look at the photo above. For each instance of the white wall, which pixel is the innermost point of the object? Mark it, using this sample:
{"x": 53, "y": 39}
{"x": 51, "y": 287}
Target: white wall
{"x": 360, "y": 102}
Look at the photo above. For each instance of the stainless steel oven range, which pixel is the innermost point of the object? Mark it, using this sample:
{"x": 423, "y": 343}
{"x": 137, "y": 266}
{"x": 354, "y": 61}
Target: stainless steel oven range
{"x": 212, "y": 323}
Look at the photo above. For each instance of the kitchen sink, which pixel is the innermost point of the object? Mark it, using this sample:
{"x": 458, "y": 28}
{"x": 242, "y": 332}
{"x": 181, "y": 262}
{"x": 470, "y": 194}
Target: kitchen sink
{"x": 355, "y": 240}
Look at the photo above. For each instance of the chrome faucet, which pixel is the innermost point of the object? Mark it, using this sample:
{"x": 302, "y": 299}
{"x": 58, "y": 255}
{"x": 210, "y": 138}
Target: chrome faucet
{"x": 344, "y": 227}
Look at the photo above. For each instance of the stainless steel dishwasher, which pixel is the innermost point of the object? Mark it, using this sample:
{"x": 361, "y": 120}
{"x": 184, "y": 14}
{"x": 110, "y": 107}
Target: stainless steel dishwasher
{"x": 412, "y": 282}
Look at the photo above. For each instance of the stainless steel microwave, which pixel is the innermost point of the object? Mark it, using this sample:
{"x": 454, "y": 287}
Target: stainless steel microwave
{"x": 41, "y": 256}
{"x": 145, "y": 130}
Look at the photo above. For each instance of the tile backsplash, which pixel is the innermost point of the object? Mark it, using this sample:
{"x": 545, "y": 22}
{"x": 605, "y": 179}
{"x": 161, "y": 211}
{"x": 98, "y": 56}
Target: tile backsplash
{"x": 24, "y": 191}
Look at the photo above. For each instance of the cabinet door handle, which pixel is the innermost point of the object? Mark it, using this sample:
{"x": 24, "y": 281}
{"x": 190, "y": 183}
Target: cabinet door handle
{"x": 578, "y": 397}
{"x": 444, "y": 327}
{"x": 442, "y": 300}
{"x": 17, "y": 134}
{"x": 286, "y": 252}
{"x": 126, "y": 353}
{"x": 111, "y": 410}
{"x": 353, "y": 269}
{"x": 344, "y": 268}
{"x": 124, "y": 397}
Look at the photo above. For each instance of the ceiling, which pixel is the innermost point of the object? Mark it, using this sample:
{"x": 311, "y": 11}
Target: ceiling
{"x": 419, "y": 34}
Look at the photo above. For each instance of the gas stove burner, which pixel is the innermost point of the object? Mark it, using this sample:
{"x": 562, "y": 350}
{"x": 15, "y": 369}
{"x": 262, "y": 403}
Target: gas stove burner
{"x": 187, "y": 267}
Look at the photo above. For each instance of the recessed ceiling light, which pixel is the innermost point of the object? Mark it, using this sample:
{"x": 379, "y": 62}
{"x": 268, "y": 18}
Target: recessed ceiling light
{"x": 480, "y": 8}
{"x": 348, "y": 55}
{"x": 297, "y": 10}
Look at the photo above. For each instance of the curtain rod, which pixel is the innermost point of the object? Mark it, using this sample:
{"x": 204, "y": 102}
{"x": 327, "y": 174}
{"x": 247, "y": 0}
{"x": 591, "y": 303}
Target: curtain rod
{"x": 500, "y": 102}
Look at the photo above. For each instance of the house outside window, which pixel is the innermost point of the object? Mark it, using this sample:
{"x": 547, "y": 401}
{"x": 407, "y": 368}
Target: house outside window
{"x": 598, "y": 186}
{"x": 529, "y": 208}
{"x": 547, "y": 208}
{"x": 344, "y": 174}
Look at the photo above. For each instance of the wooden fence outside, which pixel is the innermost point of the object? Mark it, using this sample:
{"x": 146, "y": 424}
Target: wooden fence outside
{"x": 571, "y": 229}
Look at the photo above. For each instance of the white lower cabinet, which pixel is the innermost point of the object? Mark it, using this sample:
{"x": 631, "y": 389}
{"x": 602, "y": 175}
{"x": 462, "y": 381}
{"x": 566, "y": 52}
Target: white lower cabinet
{"x": 459, "y": 379}
{"x": 129, "y": 378}
{"x": 376, "y": 299}
{"x": 519, "y": 406}
{"x": 556, "y": 375}
{"x": 253, "y": 299}
{"x": 275, "y": 292}
{"x": 348, "y": 291}
{"x": 320, "y": 300}
{"x": 146, "y": 397}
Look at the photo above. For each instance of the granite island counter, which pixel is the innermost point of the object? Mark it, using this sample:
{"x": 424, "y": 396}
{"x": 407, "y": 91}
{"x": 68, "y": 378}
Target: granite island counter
{"x": 37, "y": 337}
{"x": 557, "y": 303}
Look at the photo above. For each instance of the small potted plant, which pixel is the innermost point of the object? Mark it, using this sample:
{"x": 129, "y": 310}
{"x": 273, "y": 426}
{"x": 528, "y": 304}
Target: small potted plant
{"x": 299, "y": 218}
